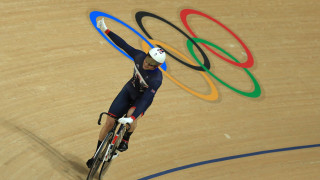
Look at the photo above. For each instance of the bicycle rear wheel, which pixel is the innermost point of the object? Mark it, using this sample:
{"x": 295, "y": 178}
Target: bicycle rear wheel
{"x": 99, "y": 156}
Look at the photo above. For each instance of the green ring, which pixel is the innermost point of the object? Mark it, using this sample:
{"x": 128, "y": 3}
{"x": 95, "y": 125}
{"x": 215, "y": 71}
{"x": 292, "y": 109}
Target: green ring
{"x": 254, "y": 94}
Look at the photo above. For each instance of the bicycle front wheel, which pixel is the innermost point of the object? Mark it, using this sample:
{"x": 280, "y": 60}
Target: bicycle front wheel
{"x": 106, "y": 164}
{"x": 99, "y": 156}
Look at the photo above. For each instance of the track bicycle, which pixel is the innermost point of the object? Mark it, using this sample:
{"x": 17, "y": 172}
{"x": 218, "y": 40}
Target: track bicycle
{"x": 108, "y": 148}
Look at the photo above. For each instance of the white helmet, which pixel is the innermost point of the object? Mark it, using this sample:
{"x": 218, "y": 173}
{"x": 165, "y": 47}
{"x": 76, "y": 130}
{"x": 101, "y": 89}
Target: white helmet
{"x": 158, "y": 55}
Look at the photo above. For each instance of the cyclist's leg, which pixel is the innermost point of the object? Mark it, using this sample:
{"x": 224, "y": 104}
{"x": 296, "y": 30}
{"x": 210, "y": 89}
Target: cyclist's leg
{"x": 125, "y": 140}
{"x": 118, "y": 108}
{"x": 106, "y": 128}
{"x": 131, "y": 111}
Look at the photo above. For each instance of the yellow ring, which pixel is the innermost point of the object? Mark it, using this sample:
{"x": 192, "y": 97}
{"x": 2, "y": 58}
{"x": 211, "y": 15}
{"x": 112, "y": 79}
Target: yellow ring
{"x": 214, "y": 93}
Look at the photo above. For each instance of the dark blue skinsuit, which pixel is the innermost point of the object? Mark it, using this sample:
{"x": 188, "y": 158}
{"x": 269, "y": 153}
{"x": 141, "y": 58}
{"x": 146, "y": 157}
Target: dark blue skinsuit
{"x": 139, "y": 91}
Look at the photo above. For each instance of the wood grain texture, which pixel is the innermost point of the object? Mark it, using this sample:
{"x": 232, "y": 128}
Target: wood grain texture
{"x": 57, "y": 74}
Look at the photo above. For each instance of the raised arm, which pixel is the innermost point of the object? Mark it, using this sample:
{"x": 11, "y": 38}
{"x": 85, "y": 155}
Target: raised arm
{"x": 117, "y": 40}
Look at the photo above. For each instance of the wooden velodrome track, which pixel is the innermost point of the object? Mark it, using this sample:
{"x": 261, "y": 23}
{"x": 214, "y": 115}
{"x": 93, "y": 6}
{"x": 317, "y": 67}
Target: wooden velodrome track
{"x": 58, "y": 73}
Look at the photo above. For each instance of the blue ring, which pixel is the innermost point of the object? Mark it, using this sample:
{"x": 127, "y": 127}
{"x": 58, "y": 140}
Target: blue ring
{"x": 93, "y": 18}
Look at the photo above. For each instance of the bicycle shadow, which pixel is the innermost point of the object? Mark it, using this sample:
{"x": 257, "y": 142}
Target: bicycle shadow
{"x": 69, "y": 166}
{"x": 80, "y": 167}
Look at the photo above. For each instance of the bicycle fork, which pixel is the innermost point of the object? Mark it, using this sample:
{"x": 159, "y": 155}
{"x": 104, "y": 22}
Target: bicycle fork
{"x": 120, "y": 134}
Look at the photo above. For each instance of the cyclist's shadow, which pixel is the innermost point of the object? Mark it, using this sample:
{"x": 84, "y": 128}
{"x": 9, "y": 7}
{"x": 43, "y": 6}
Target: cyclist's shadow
{"x": 70, "y": 166}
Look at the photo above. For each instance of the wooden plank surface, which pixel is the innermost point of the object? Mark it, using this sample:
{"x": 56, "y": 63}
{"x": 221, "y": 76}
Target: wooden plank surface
{"x": 57, "y": 73}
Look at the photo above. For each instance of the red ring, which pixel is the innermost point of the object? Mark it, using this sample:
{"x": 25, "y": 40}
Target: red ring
{"x": 183, "y": 15}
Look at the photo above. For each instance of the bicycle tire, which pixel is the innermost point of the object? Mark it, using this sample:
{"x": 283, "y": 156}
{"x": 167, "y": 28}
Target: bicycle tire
{"x": 100, "y": 155}
{"x": 106, "y": 164}
{"x": 104, "y": 168}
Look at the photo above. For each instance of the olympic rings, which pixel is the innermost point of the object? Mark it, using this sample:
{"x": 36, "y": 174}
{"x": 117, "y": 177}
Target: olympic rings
{"x": 183, "y": 15}
{"x": 255, "y": 93}
{"x": 93, "y": 17}
{"x": 214, "y": 93}
{"x": 141, "y": 14}
{"x": 205, "y": 66}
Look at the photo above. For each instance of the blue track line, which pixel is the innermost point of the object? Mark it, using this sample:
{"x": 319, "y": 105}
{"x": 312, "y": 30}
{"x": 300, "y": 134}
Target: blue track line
{"x": 227, "y": 158}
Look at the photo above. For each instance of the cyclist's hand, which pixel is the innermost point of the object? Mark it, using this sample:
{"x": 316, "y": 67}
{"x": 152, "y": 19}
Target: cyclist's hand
{"x": 125, "y": 120}
{"x": 101, "y": 25}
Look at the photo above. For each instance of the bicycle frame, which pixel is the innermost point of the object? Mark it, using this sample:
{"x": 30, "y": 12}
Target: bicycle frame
{"x": 108, "y": 147}
{"x": 122, "y": 129}
{"x": 120, "y": 133}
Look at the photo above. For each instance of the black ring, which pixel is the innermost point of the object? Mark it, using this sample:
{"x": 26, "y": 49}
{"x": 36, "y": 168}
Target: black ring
{"x": 141, "y": 14}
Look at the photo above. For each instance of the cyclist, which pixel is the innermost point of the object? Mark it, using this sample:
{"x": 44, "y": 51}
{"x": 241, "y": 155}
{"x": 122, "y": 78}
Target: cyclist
{"x": 137, "y": 94}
